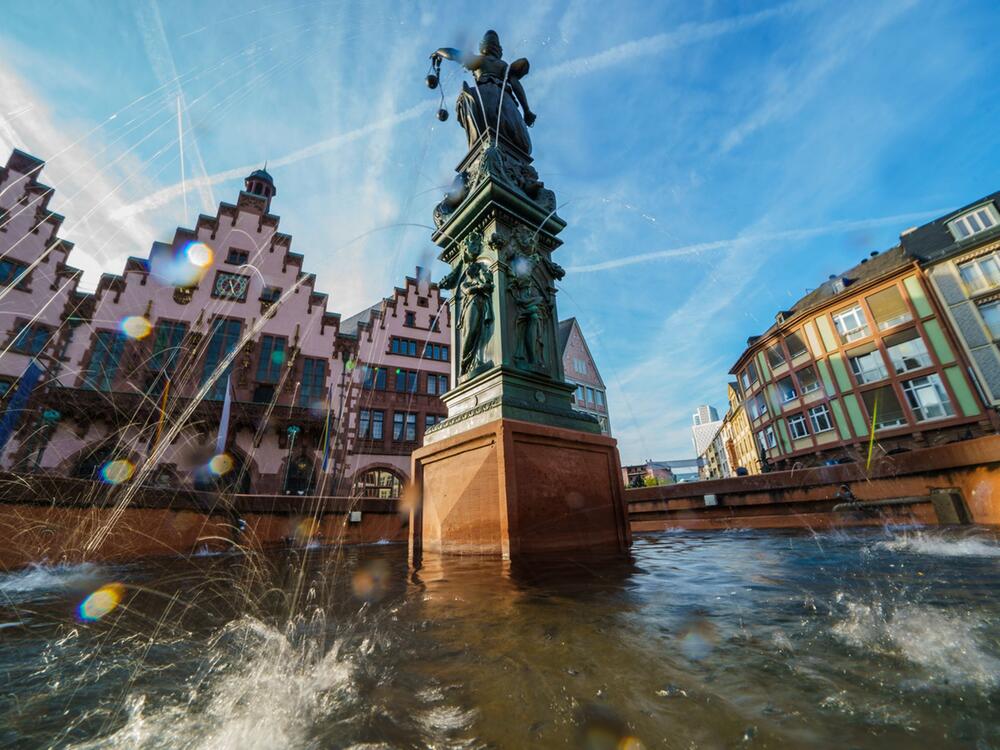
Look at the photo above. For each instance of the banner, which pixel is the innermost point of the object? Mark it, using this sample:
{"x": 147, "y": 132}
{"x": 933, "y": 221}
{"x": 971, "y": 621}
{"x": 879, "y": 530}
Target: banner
{"x": 220, "y": 443}
{"x": 10, "y": 418}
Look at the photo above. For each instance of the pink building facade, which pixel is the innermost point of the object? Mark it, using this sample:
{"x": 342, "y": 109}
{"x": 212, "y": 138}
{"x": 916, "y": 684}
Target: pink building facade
{"x": 213, "y": 362}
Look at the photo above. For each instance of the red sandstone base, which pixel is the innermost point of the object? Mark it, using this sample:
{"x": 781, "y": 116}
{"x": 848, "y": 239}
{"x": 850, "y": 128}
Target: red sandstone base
{"x": 511, "y": 488}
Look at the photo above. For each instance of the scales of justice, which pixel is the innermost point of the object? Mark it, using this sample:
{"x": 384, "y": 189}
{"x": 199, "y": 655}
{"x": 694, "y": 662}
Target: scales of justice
{"x": 514, "y": 470}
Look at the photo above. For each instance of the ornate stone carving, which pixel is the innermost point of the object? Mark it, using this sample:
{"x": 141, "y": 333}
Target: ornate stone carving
{"x": 183, "y": 294}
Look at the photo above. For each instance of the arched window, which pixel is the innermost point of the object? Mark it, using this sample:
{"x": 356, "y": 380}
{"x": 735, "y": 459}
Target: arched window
{"x": 298, "y": 478}
{"x": 378, "y": 483}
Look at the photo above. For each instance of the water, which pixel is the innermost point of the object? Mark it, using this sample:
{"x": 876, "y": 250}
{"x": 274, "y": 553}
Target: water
{"x": 860, "y": 639}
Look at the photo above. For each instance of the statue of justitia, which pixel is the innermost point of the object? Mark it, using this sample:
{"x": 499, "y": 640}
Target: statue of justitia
{"x": 498, "y": 92}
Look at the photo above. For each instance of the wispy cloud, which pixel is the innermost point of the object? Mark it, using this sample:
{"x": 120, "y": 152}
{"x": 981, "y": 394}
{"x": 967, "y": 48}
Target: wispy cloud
{"x": 161, "y": 60}
{"x": 657, "y": 44}
{"x": 787, "y": 235}
{"x": 166, "y": 195}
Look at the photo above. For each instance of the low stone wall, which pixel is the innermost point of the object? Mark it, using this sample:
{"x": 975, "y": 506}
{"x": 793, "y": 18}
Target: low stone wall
{"x": 901, "y": 485}
{"x": 56, "y": 519}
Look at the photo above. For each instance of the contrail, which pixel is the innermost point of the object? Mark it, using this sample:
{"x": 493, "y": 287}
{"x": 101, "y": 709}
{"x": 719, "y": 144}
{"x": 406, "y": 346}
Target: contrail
{"x": 180, "y": 145}
{"x": 686, "y": 34}
{"x": 784, "y": 235}
{"x": 164, "y": 196}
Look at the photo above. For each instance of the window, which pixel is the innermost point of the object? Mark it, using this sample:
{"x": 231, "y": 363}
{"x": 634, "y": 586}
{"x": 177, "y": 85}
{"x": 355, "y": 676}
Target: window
{"x": 437, "y": 384}
{"x": 749, "y": 376}
{"x": 375, "y": 378}
{"x": 819, "y": 416}
{"x": 370, "y": 422}
{"x": 757, "y": 406}
{"x": 580, "y": 395}
{"x": 409, "y": 318}
{"x": 590, "y": 395}
{"x": 775, "y": 357}
{"x": 976, "y": 221}
{"x": 808, "y": 380}
{"x": 10, "y": 270}
{"x": 867, "y": 364}
{"x": 766, "y": 438}
{"x": 991, "y": 315}
{"x": 223, "y": 337}
{"x": 406, "y": 381}
{"x": 270, "y": 294}
{"x": 405, "y": 347}
{"x": 404, "y": 426}
{"x": 796, "y": 344}
{"x": 432, "y": 419}
{"x": 272, "y": 357}
{"x": 312, "y": 389}
{"x": 237, "y": 257}
{"x": 580, "y": 365}
{"x": 230, "y": 286}
{"x": 787, "y": 390}
{"x": 889, "y": 308}
{"x": 907, "y": 351}
{"x": 167, "y": 345}
{"x": 378, "y": 483}
{"x": 104, "y": 360}
{"x": 981, "y": 273}
{"x": 797, "y": 426}
{"x": 928, "y": 398}
{"x": 436, "y": 351}
{"x": 32, "y": 339}
{"x": 599, "y": 398}
{"x": 851, "y": 324}
{"x": 883, "y": 407}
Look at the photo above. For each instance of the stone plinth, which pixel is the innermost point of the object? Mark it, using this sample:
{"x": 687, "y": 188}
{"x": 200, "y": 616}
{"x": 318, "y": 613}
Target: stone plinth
{"x": 512, "y": 489}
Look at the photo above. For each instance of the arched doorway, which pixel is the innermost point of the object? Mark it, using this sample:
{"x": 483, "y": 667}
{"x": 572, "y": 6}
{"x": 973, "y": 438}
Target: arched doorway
{"x": 299, "y": 477}
{"x": 378, "y": 482}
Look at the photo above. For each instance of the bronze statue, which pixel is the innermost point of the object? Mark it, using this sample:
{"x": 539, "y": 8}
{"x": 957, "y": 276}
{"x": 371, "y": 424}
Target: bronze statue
{"x": 493, "y": 104}
{"x": 475, "y": 318}
{"x": 531, "y": 308}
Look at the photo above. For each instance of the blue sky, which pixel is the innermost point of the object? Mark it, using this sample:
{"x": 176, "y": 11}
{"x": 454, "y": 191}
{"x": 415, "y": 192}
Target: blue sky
{"x": 714, "y": 160}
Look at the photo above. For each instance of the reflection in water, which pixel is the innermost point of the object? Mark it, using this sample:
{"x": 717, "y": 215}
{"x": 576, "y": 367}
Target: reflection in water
{"x": 753, "y": 639}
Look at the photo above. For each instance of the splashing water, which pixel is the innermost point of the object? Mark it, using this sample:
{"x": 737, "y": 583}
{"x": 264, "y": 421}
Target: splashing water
{"x": 708, "y": 640}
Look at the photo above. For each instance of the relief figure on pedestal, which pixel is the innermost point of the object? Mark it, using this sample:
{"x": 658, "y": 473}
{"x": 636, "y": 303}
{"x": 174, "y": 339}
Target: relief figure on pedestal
{"x": 496, "y": 95}
{"x": 532, "y": 307}
{"x": 475, "y": 316}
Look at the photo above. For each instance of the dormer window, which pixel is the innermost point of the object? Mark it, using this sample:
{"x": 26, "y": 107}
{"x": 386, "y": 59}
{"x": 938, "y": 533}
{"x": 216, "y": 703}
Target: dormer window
{"x": 975, "y": 221}
{"x": 982, "y": 273}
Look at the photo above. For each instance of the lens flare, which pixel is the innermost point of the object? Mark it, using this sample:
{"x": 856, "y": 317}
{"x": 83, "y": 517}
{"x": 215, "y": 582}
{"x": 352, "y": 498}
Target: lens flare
{"x": 199, "y": 254}
{"x": 184, "y": 268}
{"x": 370, "y": 581}
{"x": 117, "y": 471}
{"x": 278, "y": 357}
{"x": 101, "y": 602}
{"x": 306, "y": 531}
{"x": 136, "y": 327}
{"x": 221, "y": 464}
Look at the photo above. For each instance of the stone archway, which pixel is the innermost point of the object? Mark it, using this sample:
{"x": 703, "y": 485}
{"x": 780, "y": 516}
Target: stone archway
{"x": 379, "y": 481}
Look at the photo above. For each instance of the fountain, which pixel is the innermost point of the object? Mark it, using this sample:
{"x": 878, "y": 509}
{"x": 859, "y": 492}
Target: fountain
{"x": 513, "y": 470}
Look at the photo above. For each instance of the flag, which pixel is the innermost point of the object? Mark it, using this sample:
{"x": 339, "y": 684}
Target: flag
{"x": 327, "y": 429}
{"x": 10, "y": 418}
{"x": 220, "y": 442}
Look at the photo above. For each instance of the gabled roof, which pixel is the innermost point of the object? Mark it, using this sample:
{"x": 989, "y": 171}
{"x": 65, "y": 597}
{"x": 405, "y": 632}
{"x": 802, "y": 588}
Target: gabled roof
{"x": 933, "y": 241}
{"x": 350, "y": 325}
{"x": 562, "y": 334}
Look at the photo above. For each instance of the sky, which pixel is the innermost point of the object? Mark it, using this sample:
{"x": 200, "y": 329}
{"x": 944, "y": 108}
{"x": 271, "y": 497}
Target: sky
{"x": 713, "y": 160}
